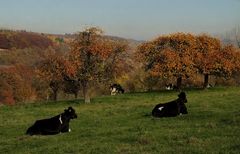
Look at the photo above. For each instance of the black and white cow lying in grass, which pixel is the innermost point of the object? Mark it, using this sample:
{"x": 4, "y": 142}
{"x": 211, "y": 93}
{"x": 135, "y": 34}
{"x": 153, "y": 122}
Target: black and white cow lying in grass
{"x": 116, "y": 89}
{"x": 54, "y": 125}
{"x": 170, "y": 87}
{"x": 171, "y": 109}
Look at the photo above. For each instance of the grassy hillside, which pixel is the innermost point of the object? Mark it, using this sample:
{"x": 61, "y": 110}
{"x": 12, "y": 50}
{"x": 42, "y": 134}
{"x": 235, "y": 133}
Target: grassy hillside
{"x": 122, "y": 124}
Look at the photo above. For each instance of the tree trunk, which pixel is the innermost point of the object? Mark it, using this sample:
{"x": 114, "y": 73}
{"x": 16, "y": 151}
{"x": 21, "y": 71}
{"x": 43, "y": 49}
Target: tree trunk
{"x": 179, "y": 83}
{"x": 55, "y": 95}
{"x": 85, "y": 93}
{"x": 54, "y": 86}
{"x": 75, "y": 95}
{"x": 206, "y": 80}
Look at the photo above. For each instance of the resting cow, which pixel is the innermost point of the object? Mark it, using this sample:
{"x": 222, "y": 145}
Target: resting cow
{"x": 115, "y": 89}
{"x": 171, "y": 109}
{"x": 54, "y": 125}
{"x": 170, "y": 87}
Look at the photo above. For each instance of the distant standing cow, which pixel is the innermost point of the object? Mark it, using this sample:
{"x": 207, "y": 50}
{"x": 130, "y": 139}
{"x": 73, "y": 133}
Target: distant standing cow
{"x": 116, "y": 88}
{"x": 54, "y": 125}
{"x": 171, "y": 109}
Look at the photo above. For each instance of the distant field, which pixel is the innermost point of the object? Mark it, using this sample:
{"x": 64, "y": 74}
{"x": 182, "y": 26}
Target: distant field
{"x": 122, "y": 124}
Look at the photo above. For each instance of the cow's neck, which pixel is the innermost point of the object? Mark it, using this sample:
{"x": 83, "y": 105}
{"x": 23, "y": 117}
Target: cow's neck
{"x": 64, "y": 118}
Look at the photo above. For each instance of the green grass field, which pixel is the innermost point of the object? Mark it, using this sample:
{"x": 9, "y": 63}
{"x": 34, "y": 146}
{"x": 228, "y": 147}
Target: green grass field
{"x": 122, "y": 124}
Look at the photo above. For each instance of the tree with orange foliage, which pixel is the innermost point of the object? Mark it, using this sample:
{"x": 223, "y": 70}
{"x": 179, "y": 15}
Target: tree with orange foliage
{"x": 94, "y": 57}
{"x": 117, "y": 62}
{"x": 52, "y": 69}
{"x": 227, "y": 61}
{"x": 211, "y": 58}
{"x": 169, "y": 56}
{"x": 207, "y": 52}
{"x": 16, "y": 84}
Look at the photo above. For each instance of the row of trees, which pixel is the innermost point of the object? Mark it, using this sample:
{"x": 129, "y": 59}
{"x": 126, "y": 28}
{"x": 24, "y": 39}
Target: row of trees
{"x": 92, "y": 59}
{"x": 181, "y": 55}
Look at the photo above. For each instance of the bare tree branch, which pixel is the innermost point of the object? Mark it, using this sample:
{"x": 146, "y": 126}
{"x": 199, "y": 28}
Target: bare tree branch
{"x": 236, "y": 36}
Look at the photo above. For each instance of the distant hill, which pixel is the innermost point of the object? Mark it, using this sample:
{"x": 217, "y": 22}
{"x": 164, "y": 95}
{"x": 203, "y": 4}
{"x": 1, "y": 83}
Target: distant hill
{"x": 70, "y": 37}
{"x": 66, "y": 38}
{"x": 21, "y": 39}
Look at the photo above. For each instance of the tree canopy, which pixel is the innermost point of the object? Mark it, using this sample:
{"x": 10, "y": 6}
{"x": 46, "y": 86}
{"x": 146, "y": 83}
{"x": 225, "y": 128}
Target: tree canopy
{"x": 95, "y": 58}
{"x": 180, "y": 55}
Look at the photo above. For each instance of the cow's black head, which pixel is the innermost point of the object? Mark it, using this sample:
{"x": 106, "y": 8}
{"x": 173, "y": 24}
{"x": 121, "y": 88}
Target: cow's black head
{"x": 182, "y": 97}
{"x": 70, "y": 113}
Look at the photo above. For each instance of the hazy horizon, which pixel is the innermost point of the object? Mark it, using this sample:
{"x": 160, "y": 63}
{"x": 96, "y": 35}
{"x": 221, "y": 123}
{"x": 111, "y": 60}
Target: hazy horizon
{"x": 135, "y": 19}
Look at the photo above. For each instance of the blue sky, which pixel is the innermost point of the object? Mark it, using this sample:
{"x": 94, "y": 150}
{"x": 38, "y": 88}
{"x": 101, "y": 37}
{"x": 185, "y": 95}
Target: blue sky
{"x": 137, "y": 19}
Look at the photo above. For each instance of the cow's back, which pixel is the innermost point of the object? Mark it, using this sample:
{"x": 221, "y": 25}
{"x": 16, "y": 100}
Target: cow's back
{"x": 169, "y": 109}
{"x": 45, "y": 126}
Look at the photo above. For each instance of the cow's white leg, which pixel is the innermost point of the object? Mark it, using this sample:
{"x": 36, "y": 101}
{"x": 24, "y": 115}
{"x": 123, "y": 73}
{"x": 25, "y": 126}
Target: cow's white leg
{"x": 69, "y": 130}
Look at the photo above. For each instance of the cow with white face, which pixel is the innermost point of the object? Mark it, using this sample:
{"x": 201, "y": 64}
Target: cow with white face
{"x": 54, "y": 125}
{"x": 171, "y": 109}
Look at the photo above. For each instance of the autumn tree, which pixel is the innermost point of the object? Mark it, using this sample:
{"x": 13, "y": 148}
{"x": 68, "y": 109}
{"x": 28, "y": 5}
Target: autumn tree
{"x": 227, "y": 61}
{"x": 117, "y": 62}
{"x": 16, "y": 84}
{"x": 52, "y": 69}
{"x": 8, "y": 82}
{"x": 206, "y": 56}
{"x": 169, "y": 56}
{"x": 71, "y": 85}
{"x": 94, "y": 57}
{"x": 213, "y": 58}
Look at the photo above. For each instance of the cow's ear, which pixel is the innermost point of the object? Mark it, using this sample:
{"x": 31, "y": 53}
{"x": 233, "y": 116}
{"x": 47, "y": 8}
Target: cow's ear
{"x": 182, "y": 95}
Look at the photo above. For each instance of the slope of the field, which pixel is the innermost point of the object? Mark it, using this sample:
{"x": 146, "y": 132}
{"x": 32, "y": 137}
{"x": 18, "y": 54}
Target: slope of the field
{"x": 122, "y": 124}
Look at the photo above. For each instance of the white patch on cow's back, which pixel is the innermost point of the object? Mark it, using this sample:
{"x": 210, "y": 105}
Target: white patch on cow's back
{"x": 160, "y": 108}
{"x": 60, "y": 119}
